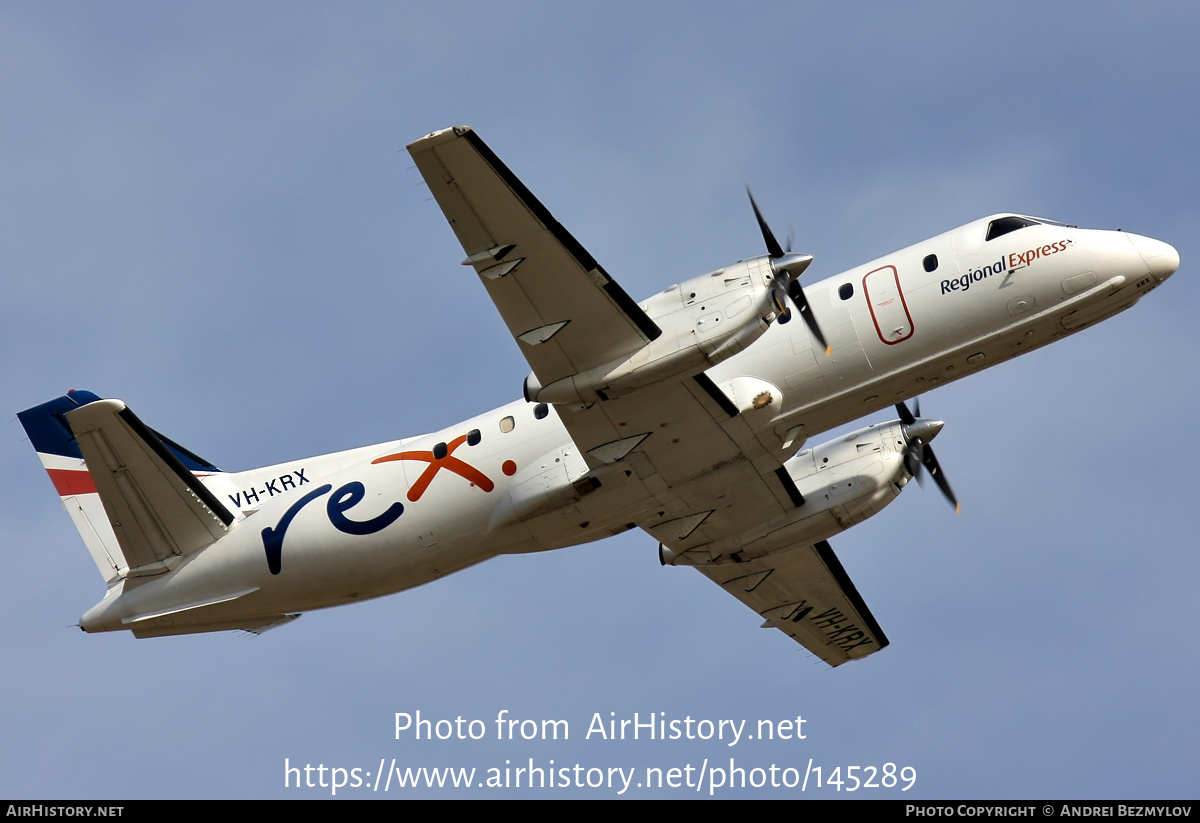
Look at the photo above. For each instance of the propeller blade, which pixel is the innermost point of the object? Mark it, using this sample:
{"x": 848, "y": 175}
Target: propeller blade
{"x": 796, "y": 292}
{"x": 773, "y": 247}
{"x": 906, "y": 417}
{"x": 779, "y": 298}
{"x": 912, "y": 462}
{"x": 935, "y": 471}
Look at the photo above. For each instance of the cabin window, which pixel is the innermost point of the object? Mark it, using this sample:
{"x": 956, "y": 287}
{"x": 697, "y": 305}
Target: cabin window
{"x": 541, "y": 410}
{"x": 930, "y": 262}
{"x": 473, "y": 437}
{"x": 440, "y": 450}
{"x": 1004, "y": 225}
{"x": 507, "y": 424}
{"x": 846, "y": 291}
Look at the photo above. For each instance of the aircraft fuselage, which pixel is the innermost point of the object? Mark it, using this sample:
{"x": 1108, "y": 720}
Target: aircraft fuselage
{"x": 368, "y": 522}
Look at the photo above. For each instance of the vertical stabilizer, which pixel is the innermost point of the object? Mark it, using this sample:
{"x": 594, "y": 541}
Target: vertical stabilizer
{"x": 133, "y": 495}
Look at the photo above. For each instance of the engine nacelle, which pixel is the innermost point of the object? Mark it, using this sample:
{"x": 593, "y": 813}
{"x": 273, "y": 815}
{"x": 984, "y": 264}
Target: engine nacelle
{"x": 843, "y": 482}
{"x": 704, "y": 321}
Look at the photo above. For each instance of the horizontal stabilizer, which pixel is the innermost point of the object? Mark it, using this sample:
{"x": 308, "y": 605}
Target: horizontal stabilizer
{"x": 159, "y": 511}
{"x": 158, "y": 614}
{"x": 251, "y": 626}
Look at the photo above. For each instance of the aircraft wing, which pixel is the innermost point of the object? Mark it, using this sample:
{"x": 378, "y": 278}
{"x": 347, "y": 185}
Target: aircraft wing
{"x": 564, "y": 310}
{"x": 712, "y": 471}
{"x": 713, "y": 479}
{"x": 807, "y": 595}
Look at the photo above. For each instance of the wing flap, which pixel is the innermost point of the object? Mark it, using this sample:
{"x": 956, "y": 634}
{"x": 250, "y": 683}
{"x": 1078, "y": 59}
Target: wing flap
{"x": 806, "y": 594}
{"x": 157, "y": 507}
{"x": 557, "y": 301}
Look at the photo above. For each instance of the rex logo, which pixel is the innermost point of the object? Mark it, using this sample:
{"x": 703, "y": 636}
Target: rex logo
{"x": 442, "y": 457}
{"x": 346, "y": 497}
{"x": 352, "y": 493}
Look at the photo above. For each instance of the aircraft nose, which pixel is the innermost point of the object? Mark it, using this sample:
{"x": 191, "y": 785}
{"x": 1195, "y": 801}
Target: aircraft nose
{"x": 1160, "y": 257}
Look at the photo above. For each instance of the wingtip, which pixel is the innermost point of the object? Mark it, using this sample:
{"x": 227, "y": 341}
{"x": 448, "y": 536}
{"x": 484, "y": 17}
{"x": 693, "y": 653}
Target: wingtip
{"x": 435, "y": 138}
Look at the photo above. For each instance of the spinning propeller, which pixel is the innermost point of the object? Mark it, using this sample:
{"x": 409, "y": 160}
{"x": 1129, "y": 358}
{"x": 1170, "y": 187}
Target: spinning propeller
{"x": 918, "y": 431}
{"x": 788, "y": 266}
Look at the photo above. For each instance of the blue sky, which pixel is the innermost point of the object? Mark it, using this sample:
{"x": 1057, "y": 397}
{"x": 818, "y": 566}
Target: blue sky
{"x": 208, "y": 212}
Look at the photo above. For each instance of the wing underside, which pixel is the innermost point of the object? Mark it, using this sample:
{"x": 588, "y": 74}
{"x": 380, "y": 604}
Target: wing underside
{"x": 806, "y": 594}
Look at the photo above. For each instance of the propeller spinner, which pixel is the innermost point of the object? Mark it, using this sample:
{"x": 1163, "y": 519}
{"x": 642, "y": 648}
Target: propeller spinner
{"x": 788, "y": 266}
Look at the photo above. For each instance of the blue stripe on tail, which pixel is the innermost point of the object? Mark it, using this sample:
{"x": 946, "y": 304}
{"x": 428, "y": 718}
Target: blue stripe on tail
{"x": 49, "y": 432}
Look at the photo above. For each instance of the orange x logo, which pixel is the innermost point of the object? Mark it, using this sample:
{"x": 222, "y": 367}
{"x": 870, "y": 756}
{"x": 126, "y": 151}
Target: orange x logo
{"x": 436, "y": 464}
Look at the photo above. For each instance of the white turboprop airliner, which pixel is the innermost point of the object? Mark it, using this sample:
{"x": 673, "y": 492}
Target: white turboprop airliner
{"x": 685, "y": 415}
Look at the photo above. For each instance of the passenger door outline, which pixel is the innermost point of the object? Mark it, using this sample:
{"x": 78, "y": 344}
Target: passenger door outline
{"x": 889, "y": 310}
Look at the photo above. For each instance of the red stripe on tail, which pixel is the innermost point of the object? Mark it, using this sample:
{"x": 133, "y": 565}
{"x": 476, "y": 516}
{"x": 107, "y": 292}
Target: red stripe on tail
{"x": 71, "y": 481}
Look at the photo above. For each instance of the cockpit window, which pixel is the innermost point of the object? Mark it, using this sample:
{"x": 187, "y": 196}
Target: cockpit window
{"x": 1004, "y": 225}
{"x": 1057, "y": 223}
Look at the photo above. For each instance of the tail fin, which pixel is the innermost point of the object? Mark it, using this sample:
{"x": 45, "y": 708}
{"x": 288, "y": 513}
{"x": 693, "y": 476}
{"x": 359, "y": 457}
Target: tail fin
{"x": 133, "y": 494}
